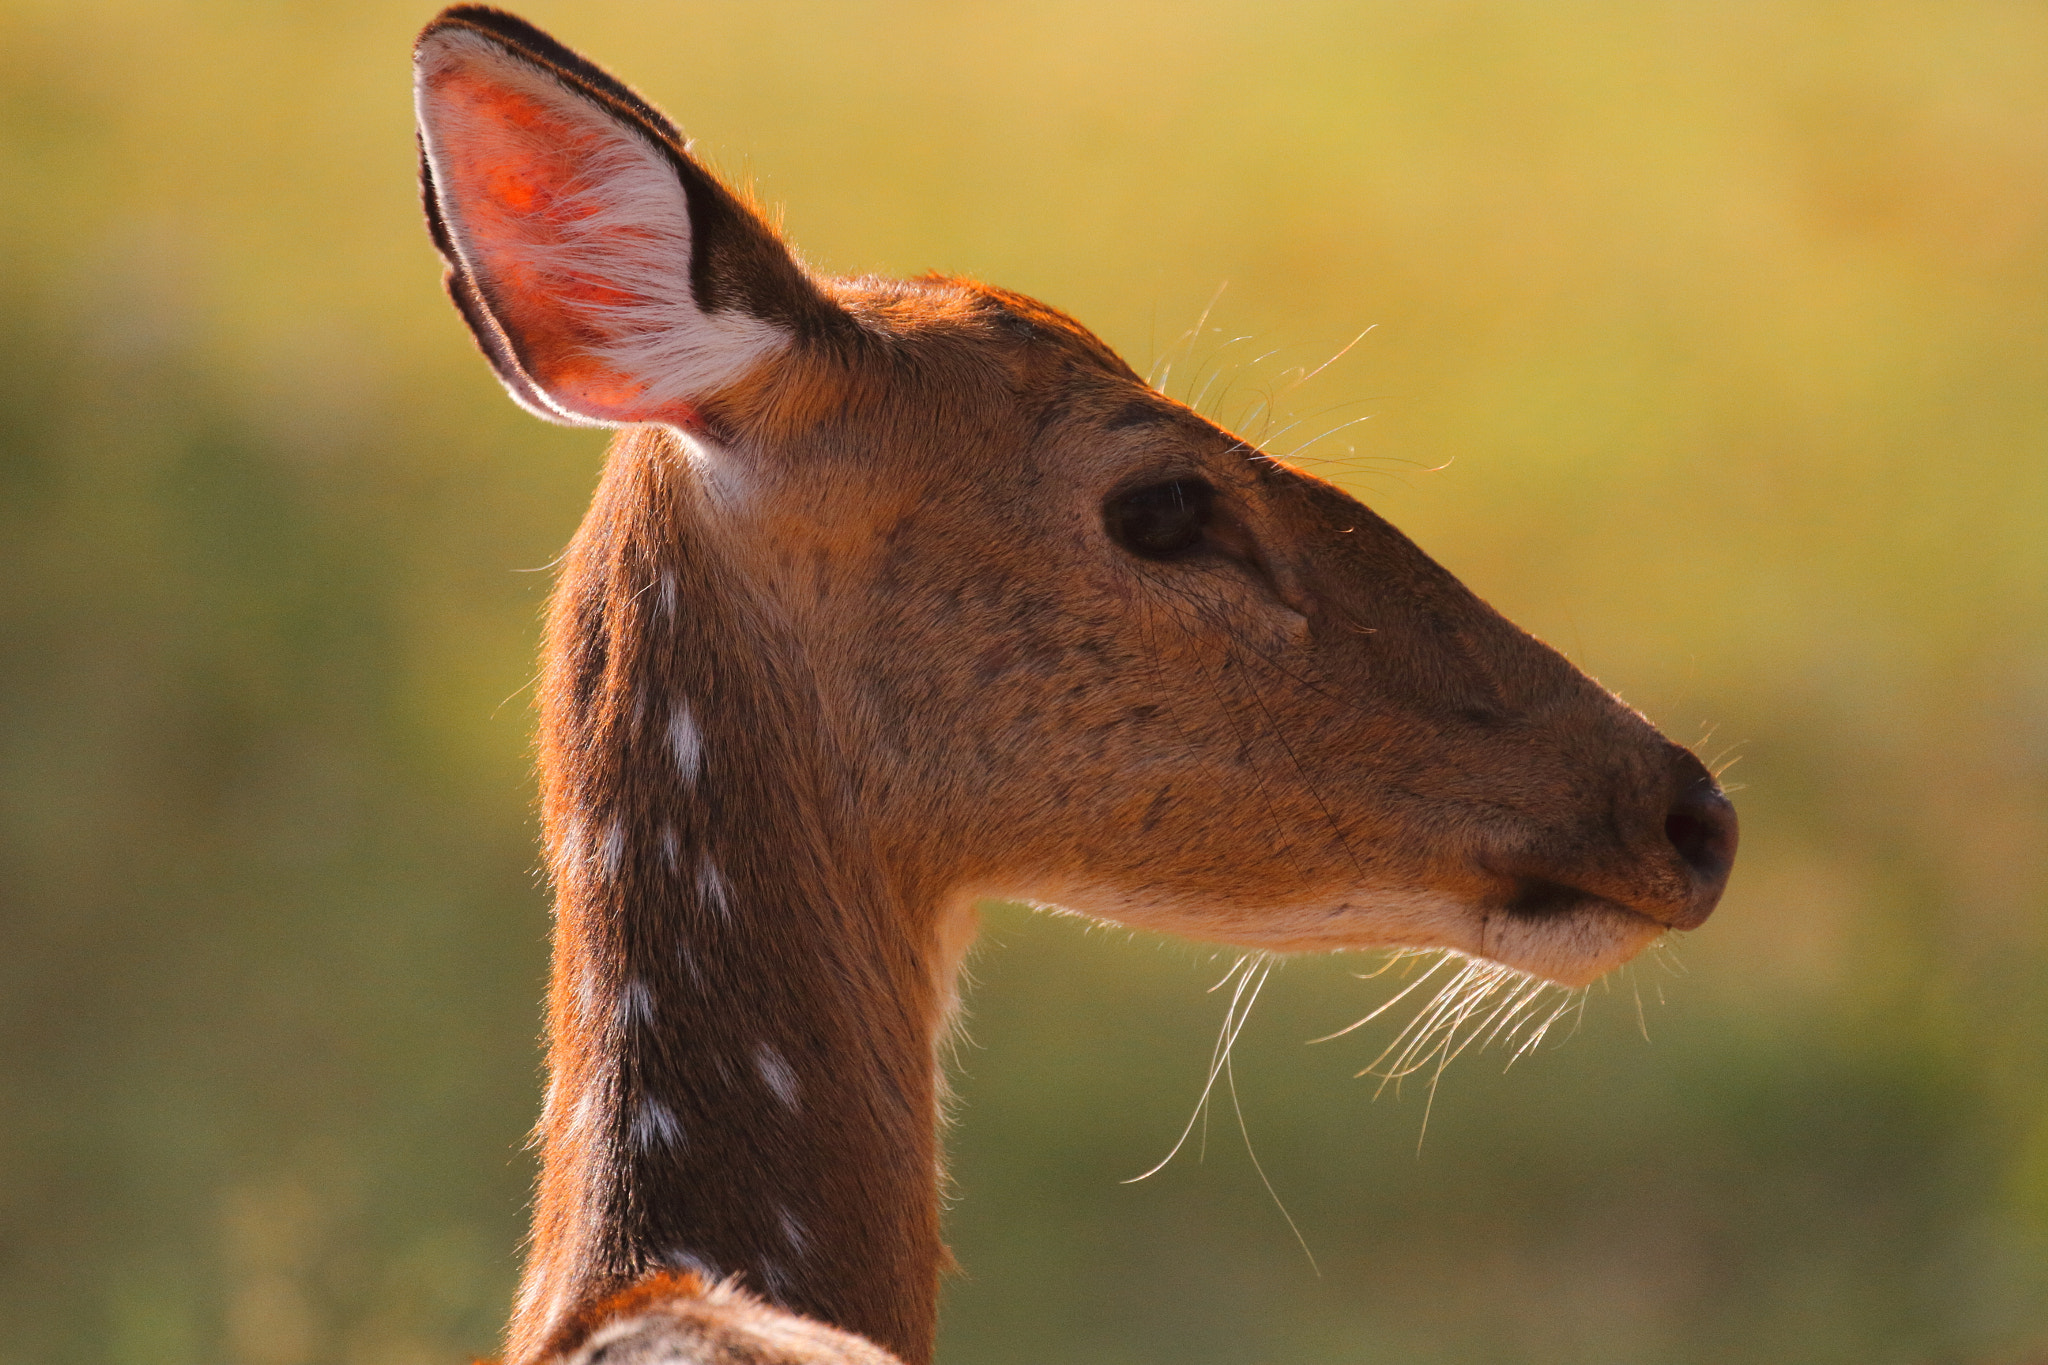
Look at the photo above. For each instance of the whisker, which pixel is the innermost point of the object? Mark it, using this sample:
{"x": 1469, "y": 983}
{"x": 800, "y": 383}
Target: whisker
{"x": 1481, "y": 1004}
{"x": 1403, "y": 994}
{"x": 1449, "y": 1048}
{"x": 1219, "y": 371}
{"x": 1342, "y": 352}
{"x": 1233, "y": 1024}
{"x": 1295, "y": 453}
{"x": 1188, "y": 338}
{"x": 1442, "y": 1022}
{"x": 1234, "y": 968}
{"x": 1515, "y": 1007}
{"x": 1530, "y": 1043}
{"x": 1230, "y": 1079}
{"x": 1411, "y": 1048}
{"x": 1667, "y": 957}
{"x": 1423, "y": 1020}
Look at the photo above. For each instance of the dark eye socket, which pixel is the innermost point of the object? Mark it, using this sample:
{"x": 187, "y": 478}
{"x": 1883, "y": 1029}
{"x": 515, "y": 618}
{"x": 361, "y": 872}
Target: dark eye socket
{"x": 1162, "y": 520}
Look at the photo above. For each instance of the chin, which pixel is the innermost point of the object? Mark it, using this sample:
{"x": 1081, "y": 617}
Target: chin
{"x": 1570, "y": 946}
{"x": 1567, "y": 944}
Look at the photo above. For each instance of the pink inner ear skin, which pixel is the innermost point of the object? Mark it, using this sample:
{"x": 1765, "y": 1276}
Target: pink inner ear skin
{"x": 603, "y": 392}
{"x": 515, "y": 162}
{"x": 491, "y": 112}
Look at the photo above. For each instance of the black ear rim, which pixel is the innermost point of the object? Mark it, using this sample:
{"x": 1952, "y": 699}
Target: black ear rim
{"x": 715, "y": 214}
{"x": 538, "y": 46}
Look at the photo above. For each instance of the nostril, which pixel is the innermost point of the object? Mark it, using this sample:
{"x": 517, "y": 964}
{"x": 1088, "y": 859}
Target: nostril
{"x": 1701, "y": 827}
{"x": 1689, "y": 835}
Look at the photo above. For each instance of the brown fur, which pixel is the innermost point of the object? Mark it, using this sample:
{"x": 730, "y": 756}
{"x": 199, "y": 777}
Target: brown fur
{"x": 666, "y": 1320}
{"x": 662, "y": 1286}
{"x": 844, "y": 646}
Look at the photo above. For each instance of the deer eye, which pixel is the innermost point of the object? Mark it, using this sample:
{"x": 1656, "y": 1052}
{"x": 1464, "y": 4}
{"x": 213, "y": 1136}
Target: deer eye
{"x": 1161, "y": 520}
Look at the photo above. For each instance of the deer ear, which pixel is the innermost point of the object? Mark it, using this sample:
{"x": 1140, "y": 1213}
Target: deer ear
{"x": 608, "y": 277}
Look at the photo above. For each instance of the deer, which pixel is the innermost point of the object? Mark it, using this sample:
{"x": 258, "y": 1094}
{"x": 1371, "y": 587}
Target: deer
{"x": 897, "y": 596}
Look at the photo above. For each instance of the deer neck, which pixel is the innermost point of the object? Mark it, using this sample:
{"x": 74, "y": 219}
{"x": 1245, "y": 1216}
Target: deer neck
{"x": 743, "y": 1006}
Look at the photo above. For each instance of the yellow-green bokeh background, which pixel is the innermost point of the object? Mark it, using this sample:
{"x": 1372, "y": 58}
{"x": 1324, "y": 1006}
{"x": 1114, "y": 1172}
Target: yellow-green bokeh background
{"x": 1708, "y": 342}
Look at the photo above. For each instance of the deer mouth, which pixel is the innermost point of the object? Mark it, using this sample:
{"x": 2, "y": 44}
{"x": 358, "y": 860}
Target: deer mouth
{"x": 1541, "y": 898}
{"x": 1562, "y": 933}
{"x": 1545, "y": 928}
{"x": 1542, "y": 916}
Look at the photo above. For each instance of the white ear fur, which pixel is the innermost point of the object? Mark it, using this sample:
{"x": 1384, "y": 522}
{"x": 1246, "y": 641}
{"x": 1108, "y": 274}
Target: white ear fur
{"x": 609, "y": 245}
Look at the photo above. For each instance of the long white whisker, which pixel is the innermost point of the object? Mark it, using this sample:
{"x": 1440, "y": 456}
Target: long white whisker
{"x": 1216, "y": 1054}
{"x": 1482, "y": 1003}
{"x": 1399, "y": 996}
{"x": 1421, "y": 1043}
{"x": 1189, "y": 337}
{"x": 1203, "y": 396}
{"x": 1486, "y": 983}
{"x": 1413, "y": 1042}
{"x": 1346, "y": 350}
{"x": 1235, "y": 967}
{"x": 1230, "y": 1079}
{"x": 1295, "y": 453}
{"x": 1233, "y": 1024}
{"x": 1421, "y": 1022}
{"x": 1529, "y": 1044}
{"x": 1402, "y": 957}
{"x": 1585, "y": 994}
{"x": 1490, "y": 981}
{"x": 1520, "y": 1001}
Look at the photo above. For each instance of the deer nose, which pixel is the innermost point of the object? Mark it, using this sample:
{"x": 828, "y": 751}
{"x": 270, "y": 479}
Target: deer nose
{"x": 1700, "y": 826}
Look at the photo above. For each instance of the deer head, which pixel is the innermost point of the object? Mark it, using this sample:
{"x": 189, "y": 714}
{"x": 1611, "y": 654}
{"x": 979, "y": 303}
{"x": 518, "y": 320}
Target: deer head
{"x": 900, "y": 594}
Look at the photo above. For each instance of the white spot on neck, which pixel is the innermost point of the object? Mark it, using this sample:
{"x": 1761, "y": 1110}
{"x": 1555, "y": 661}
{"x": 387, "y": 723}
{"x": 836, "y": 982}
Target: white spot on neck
{"x": 586, "y": 993}
{"x": 671, "y": 844}
{"x": 712, "y": 889}
{"x": 685, "y": 743}
{"x": 557, "y": 1298}
{"x": 793, "y": 1231}
{"x": 585, "y": 1117}
{"x": 612, "y": 853}
{"x": 636, "y": 1003}
{"x": 655, "y": 1125}
{"x": 776, "y": 1075}
{"x": 665, "y": 587}
{"x": 569, "y": 848}
{"x": 676, "y": 1259}
{"x": 730, "y": 482}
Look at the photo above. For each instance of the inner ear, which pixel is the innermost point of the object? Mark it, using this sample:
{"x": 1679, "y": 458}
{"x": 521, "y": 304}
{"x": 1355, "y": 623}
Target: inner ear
{"x": 583, "y": 242}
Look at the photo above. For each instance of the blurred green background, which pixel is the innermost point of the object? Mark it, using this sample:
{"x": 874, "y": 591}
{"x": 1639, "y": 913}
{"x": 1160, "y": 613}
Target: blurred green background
{"x": 1708, "y": 342}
